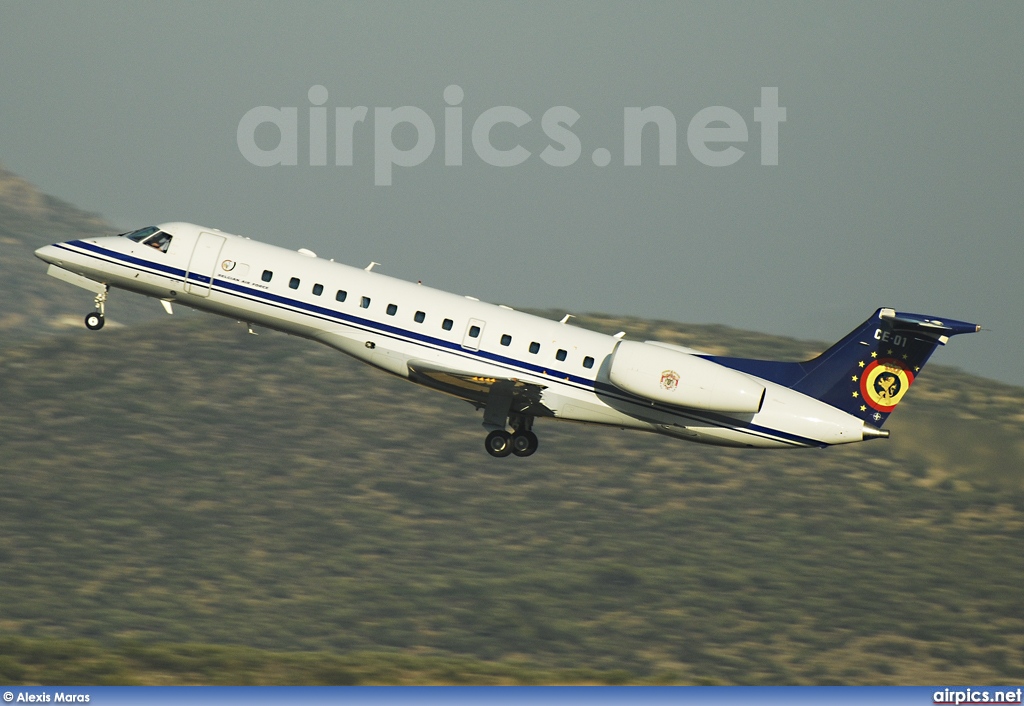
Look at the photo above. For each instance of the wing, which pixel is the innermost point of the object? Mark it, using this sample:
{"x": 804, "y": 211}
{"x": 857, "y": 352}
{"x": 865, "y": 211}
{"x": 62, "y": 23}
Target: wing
{"x": 481, "y": 390}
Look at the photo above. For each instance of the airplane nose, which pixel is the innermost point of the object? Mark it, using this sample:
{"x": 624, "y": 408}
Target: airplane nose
{"x": 48, "y": 253}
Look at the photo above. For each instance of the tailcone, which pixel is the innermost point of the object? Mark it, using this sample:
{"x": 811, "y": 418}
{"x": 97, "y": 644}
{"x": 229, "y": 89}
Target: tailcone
{"x": 870, "y": 432}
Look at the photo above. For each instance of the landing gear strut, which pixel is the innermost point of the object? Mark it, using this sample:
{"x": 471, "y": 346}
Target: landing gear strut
{"x": 94, "y": 320}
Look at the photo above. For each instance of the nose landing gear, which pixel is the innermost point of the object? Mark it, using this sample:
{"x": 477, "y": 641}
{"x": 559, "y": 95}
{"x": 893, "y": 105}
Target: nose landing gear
{"x": 94, "y": 320}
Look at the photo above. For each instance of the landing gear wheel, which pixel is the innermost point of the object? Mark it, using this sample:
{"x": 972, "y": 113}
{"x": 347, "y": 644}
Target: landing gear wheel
{"x": 498, "y": 443}
{"x": 94, "y": 321}
{"x": 524, "y": 443}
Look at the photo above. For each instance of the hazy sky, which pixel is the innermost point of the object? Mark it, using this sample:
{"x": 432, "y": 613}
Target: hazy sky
{"x": 898, "y": 183}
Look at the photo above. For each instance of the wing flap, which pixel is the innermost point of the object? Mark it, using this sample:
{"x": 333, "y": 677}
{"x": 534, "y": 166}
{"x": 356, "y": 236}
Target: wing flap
{"x": 476, "y": 388}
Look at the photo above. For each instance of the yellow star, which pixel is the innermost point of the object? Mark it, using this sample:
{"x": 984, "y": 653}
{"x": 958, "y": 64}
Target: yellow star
{"x": 874, "y": 354}
{"x": 854, "y": 378}
{"x": 855, "y": 394}
{"x": 860, "y": 363}
{"x": 904, "y": 356}
{"x": 863, "y": 408}
{"x": 889, "y": 352}
{"x": 917, "y": 368}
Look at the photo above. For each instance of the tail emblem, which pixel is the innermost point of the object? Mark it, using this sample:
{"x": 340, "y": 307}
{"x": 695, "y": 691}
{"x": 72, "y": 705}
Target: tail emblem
{"x": 884, "y": 382}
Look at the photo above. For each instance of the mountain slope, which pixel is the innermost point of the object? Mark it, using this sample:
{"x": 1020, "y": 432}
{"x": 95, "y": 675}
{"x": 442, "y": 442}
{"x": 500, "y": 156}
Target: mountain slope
{"x": 182, "y": 481}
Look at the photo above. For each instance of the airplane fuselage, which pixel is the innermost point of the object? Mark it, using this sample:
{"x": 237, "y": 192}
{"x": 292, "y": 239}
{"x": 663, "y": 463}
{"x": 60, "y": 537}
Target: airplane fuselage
{"x": 484, "y": 353}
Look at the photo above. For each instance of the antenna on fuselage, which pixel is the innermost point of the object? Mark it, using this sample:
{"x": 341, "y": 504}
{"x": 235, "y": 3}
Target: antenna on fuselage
{"x": 565, "y": 319}
{"x": 369, "y": 268}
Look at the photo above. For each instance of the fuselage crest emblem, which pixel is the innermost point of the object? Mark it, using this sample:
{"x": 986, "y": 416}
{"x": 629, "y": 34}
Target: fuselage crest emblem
{"x": 670, "y": 380}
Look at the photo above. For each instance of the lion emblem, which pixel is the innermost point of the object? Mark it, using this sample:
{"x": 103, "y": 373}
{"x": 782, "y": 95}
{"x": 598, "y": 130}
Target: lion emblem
{"x": 887, "y": 386}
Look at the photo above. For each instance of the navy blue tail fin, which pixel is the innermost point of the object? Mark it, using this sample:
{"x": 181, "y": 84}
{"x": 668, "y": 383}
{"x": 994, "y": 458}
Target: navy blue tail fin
{"x": 870, "y": 369}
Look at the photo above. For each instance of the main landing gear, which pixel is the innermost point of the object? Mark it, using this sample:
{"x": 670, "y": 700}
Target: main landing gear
{"x": 94, "y": 320}
{"x": 498, "y": 413}
{"x": 521, "y": 442}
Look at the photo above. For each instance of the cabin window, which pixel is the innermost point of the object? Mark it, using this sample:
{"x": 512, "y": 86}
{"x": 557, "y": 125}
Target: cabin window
{"x": 364, "y": 303}
{"x": 561, "y": 354}
{"x": 420, "y": 317}
{"x": 535, "y": 347}
{"x": 392, "y": 309}
{"x": 267, "y": 275}
{"x": 447, "y": 324}
{"x": 474, "y": 331}
{"x": 341, "y": 295}
{"x": 506, "y": 340}
{"x": 318, "y": 289}
{"x": 588, "y": 362}
{"x": 293, "y": 283}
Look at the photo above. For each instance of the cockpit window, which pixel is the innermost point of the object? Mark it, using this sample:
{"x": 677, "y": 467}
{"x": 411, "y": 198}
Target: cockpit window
{"x": 161, "y": 241}
{"x": 140, "y": 234}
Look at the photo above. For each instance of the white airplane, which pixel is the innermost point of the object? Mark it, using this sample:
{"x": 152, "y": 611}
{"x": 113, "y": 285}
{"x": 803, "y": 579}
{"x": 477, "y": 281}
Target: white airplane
{"x": 513, "y": 365}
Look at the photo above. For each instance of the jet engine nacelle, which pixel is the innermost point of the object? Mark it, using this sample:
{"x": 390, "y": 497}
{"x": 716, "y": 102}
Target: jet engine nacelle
{"x": 682, "y": 380}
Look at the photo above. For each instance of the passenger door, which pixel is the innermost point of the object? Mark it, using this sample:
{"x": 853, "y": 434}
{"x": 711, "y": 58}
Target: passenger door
{"x": 202, "y": 265}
